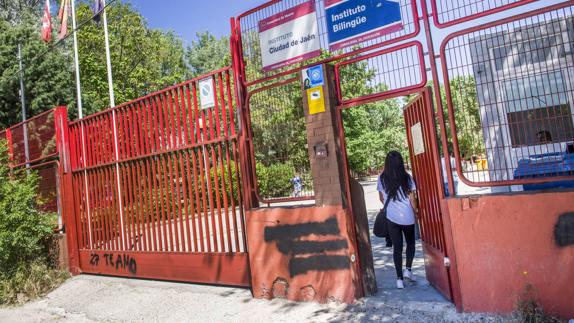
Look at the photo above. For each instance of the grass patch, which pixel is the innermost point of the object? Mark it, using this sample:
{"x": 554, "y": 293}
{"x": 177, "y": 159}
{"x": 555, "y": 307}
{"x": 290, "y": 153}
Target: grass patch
{"x": 30, "y": 282}
{"x": 529, "y": 310}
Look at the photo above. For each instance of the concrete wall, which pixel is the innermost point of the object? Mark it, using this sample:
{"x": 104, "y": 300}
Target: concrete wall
{"x": 302, "y": 254}
{"x": 504, "y": 243}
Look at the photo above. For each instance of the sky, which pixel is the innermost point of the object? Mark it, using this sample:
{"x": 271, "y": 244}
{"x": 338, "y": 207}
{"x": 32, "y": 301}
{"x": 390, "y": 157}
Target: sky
{"x": 186, "y": 17}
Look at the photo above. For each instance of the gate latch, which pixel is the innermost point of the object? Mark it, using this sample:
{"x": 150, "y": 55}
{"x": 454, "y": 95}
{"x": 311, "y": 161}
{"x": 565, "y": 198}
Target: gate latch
{"x": 446, "y": 262}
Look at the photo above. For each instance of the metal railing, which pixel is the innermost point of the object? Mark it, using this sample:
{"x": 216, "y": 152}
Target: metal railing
{"x": 509, "y": 90}
{"x": 161, "y": 173}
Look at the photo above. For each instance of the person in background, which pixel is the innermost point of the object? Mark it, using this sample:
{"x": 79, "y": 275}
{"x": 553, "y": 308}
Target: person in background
{"x": 297, "y": 185}
{"x": 398, "y": 186}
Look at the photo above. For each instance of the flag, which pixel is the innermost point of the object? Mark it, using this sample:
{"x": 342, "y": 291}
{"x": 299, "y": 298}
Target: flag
{"x": 98, "y": 6}
{"x": 63, "y": 14}
{"x": 47, "y": 23}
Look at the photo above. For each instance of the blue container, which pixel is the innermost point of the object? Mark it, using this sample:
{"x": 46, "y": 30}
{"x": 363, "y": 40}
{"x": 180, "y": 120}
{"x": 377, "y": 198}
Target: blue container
{"x": 544, "y": 166}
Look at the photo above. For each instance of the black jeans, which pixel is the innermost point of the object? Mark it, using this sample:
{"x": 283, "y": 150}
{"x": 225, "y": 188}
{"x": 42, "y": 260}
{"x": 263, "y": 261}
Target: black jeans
{"x": 396, "y": 232}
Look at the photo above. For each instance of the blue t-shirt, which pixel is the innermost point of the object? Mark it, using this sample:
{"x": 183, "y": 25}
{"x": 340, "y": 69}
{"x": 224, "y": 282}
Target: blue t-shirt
{"x": 399, "y": 211}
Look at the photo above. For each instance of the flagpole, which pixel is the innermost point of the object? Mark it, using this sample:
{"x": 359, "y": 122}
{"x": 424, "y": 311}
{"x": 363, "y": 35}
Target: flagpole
{"x": 24, "y": 114}
{"x": 80, "y": 116}
{"x": 108, "y": 60}
{"x": 114, "y": 125}
{"x": 76, "y": 62}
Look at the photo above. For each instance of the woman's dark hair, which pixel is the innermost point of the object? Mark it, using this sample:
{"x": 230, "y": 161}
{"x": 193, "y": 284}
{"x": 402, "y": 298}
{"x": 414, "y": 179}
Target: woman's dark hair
{"x": 395, "y": 178}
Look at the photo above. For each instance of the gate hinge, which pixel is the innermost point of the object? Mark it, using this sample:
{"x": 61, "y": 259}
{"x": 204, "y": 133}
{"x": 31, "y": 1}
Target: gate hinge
{"x": 446, "y": 262}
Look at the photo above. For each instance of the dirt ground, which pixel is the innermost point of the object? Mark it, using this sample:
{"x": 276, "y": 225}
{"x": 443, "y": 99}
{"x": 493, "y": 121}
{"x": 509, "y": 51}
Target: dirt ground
{"x": 88, "y": 298}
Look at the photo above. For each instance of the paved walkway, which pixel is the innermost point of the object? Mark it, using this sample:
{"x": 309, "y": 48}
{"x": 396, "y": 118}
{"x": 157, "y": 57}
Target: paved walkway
{"x": 105, "y": 299}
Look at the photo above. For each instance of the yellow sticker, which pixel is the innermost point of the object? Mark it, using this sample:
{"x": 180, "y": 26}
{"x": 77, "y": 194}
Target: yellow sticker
{"x": 316, "y": 100}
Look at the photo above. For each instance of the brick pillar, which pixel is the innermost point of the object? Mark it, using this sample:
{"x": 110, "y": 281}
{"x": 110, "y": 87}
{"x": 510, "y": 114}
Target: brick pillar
{"x": 322, "y": 129}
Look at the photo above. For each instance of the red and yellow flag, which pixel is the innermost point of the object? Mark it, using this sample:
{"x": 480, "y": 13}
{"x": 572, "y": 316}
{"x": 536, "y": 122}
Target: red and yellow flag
{"x": 47, "y": 23}
{"x": 63, "y": 14}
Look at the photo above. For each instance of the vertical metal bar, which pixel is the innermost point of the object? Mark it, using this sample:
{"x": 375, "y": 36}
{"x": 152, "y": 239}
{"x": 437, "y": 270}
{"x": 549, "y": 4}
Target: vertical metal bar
{"x": 101, "y": 176}
{"x": 129, "y": 231}
{"x": 131, "y": 243}
{"x": 152, "y": 203}
{"x": 146, "y": 205}
{"x": 204, "y": 192}
{"x": 184, "y": 119}
{"x": 135, "y": 203}
{"x": 173, "y": 126}
{"x": 437, "y": 95}
{"x": 162, "y": 201}
{"x": 177, "y": 196}
{"x": 168, "y": 204}
{"x": 185, "y": 197}
{"x": 141, "y": 201}
{"x": 199, "y": 200}
{"x": 192, "y": 201}
{"x": 174, "y": 99}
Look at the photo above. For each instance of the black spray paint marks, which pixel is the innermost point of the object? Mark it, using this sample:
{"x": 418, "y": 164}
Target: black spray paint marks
{"x": 293, "y": 231}
{"x": 289, "y": 242}
{"x": 298, "y": 247}
{"x": 564, "y": 230}
{"x": 301, "y": 265}
{"x": 120, "y": 261}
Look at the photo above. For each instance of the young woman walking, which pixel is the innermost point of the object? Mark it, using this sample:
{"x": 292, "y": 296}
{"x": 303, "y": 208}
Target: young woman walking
{"x": 398, "y": 186}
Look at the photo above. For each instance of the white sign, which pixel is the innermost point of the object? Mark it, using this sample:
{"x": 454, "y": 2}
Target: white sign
{"x": 206, "y": 93}
{"x": 289, "y": 37}
{"x": 418, "y": 141}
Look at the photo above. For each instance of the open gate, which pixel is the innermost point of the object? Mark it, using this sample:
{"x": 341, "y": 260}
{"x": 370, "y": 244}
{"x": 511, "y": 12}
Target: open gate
{"x": 423, "y": 148}
{"x": 157, "y": 186}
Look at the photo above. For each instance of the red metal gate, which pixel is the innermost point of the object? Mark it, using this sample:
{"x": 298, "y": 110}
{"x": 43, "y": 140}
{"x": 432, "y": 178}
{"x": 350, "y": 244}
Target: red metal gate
{"x": 421, "y": 134}
{"x": 157, "y": 187}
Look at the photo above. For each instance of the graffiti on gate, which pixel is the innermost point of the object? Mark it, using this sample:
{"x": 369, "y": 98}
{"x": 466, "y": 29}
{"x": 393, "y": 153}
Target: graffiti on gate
{"x": 115, "y": 261}
{"x": 294, "y": 240}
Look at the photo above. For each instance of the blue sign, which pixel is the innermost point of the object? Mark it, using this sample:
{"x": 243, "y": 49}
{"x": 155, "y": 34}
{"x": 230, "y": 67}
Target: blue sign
{"x": 313, "y": 76}
{"x": 351, "y": 22}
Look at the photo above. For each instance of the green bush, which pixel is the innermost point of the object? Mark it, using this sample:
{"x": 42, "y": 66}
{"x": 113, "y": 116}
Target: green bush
{"x": 25, "y": 234}
{"x": 275, "y": 180}
{"x": 223, "y": 181}
{"x": 24, "y": 230}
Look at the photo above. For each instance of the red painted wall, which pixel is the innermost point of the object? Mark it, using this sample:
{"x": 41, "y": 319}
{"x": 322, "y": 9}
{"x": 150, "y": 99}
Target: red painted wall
{"x": 505, "y": 242}
{"x": 282, "y": 243}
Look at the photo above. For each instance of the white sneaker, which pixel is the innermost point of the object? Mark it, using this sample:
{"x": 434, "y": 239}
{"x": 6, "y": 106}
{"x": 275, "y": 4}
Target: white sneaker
{"x": 409, "y": 275}
{"x": 400, "y": 284}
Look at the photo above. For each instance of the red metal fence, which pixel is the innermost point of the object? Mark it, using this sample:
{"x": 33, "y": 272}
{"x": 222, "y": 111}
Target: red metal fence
{"x": 157, "y": 177}
{"x": 279, "y": 140}
{"x": 32, "y": 145}
{"x": 509, "y": 92}
{"x": 250, "y": 56}
{"x": 449, "y": 13}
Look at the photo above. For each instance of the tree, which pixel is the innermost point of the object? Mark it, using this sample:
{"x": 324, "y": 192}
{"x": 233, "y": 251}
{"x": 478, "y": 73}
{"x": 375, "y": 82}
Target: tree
{"x": 48, "y": 76}
{"x": 466, "y": 115}
{"x": 208, "y": 53}
{"x": 143, "y": 60}
{"x": 373, "y": 129}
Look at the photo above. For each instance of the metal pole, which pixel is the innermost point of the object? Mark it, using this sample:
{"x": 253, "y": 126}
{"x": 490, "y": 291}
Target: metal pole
{"x": 437, "y": 96}
{"x": 76, "y": 62}
{"x": 114, "y": 126}
{"x": 23, "y": 102}
{"x": 80, "y": 116}
{"x": 108, "y": 60}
